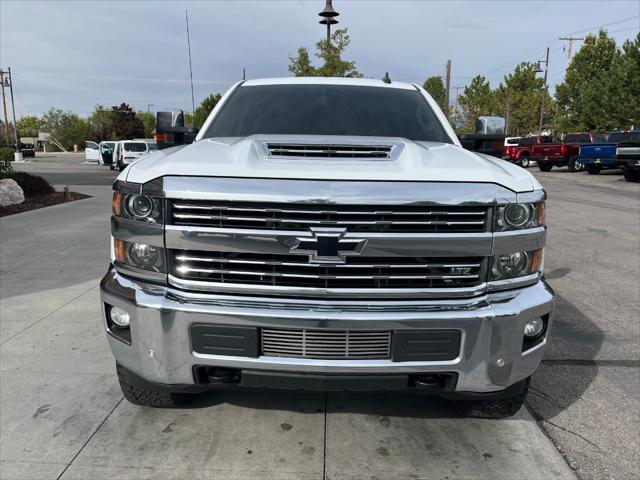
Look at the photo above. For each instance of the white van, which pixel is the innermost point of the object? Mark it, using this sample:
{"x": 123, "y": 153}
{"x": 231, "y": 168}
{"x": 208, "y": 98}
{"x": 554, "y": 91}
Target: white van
{"x": 128, "y": 151}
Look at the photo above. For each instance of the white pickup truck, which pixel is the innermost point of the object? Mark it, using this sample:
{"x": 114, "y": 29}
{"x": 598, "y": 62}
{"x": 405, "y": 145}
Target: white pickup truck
{"x": 327, "y": 234}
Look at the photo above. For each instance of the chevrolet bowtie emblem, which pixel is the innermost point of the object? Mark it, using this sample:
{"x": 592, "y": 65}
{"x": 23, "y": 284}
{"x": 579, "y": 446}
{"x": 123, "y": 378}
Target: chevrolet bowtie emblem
{"x": 327, "y": 245}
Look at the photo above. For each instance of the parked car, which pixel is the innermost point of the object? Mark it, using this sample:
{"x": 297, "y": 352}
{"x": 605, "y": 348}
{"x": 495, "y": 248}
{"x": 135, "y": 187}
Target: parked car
{"x": 27, "y": 149}
{"x": 628, "y": 156}
{"x": 327, "y": 234}
{"x": 563, "y": 153}
{"x": 128, "y": 151}
{"x": 520, "y": 154}
{"x": 603, "y": 155}
{"x": 91, "y": 151}
{"x": 106, "y": 152}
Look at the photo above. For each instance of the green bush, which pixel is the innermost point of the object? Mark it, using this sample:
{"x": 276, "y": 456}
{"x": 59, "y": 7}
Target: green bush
{"x": 32, "y": 184}
{"x": 6, "y": 157}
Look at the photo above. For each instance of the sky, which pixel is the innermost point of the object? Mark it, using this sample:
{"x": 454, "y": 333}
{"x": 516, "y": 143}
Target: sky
{"x": 73, "y": 55}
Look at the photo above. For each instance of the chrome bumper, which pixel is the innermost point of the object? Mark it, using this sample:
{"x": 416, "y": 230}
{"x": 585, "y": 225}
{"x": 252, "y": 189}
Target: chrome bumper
{"x": 490, "y": 357}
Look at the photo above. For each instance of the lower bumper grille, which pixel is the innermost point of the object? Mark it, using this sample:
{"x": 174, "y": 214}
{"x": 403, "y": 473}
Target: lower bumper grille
{"x": 326, "y": 344}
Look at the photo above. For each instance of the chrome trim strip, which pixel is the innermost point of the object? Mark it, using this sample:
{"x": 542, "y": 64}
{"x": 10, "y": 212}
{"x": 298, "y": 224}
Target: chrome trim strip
{"x": 136, "y": 231}
{"x": 206, "y": 286}
{"x": 512, "y": 283}
{"x": 519, "y": 240}
{"x": 392, "y": 244}
{"x": 140, "y": 273}
{"x": 333, "y": 192}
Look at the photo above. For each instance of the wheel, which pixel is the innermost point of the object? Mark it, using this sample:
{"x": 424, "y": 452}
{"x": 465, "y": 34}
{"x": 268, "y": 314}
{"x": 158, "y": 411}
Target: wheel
{"x": 574, "y": 165}
{"x": 631, "y": 175}
{"x": 146, "y": 395}
{"x": 120, "y": 166}
{"x": 497, "y": 408}
{"x": 524, "y": 161}
{"x": 545, "y": 167}
{"x": 593, "y": 169}
{"x": 111, "y": 167}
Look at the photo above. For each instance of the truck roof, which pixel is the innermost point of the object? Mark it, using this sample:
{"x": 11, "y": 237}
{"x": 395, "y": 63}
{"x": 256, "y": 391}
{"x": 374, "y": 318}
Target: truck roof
{"x": 363, "y": 82}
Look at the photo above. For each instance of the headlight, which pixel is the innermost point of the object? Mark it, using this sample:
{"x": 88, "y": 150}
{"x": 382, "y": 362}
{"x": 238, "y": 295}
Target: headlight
{"x": 516, "y": 264}
{"x": 516, "y": 216}
{"x": 138, "y": 255}
{"x": 137, "y": 207}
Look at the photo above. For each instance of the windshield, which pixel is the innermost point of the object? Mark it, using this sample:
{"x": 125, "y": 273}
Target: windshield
{"x": 577, "y": 138}
{"x": 327, "y": 110}
{"x": 135, "y": 147}
{"x": 153, "y": 146}
{"x": 617, "y": 137}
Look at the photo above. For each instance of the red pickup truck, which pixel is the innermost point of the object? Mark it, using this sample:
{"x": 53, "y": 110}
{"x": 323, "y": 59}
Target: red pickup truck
{"x": 522, "y": 152}
{"x": 560, "y": 153}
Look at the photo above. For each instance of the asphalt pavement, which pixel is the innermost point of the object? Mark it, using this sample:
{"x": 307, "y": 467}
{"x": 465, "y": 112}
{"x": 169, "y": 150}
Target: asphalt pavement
{"x": 63, "y": 416}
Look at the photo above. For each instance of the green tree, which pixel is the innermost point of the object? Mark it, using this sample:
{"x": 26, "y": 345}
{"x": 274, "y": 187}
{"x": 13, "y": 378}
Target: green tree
{"x": 205, "y": 108}
{"x": 622, "y": 90}
{"x": 435, "y": 86}
{"x": 28, "y": 126}
{"x": 101, "y": 122}
{"x": 580, "y": 100}
{"x": 518, "y": 100}
{"x": 477, "y": 99}
{"x": 126, "y": 125}
{"x": 330, "y": 52}
{"x": 66, "y": 127}
{"x": 148, "y": 120}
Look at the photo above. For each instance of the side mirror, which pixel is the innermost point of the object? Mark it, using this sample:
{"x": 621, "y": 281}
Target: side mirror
{"x": 170, "y": 130}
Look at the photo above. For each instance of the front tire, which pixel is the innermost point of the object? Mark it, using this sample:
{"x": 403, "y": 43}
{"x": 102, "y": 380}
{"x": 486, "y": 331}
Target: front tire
{"x": 593, "y": 169}
{"x": 574, "y": 165}
{"x": 146, "y": 395}
{"x": 497, "y": 408}
{"x": 545, "y": 167}
{"x": 524, "y": 161}
{"x": 631, "y": 175}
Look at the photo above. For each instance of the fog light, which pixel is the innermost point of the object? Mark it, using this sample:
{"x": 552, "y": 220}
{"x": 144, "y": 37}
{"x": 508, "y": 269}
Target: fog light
{"x": 119, "y": 317}
{"x": 533, "y": 327}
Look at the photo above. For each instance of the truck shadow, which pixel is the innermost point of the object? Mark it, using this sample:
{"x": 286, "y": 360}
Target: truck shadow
{"x": 564, "y": 375}
{"x": 569, "y": 365}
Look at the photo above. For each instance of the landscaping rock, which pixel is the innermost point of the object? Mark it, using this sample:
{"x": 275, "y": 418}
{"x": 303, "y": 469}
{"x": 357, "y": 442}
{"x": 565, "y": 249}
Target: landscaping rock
{"x": 10, "y": 193}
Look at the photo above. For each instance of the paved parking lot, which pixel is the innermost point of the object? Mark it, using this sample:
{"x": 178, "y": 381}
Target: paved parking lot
{"x": 62, "y": 414}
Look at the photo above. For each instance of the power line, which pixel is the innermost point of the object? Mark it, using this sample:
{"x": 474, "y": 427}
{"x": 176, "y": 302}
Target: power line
{"x": 605, "y": 25}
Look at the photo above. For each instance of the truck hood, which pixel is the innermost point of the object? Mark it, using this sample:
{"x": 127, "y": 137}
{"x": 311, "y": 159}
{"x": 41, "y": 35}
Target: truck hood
{"x": 417, "y": 162}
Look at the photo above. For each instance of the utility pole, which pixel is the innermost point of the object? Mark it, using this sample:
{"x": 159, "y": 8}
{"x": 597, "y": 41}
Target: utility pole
{"x": 13, "y": 109}
{"x": 571, "y": 40}
{"x": 193, "y": 102}
{"x": 149, "y": 105}
{"x": 544, "y": 87}
{"x": 4, "y": 107}
{"x": 446, "y": 89}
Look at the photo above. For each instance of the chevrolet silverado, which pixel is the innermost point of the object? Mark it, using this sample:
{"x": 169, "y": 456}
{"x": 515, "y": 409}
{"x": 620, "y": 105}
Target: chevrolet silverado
{"x": 327, "y": 234}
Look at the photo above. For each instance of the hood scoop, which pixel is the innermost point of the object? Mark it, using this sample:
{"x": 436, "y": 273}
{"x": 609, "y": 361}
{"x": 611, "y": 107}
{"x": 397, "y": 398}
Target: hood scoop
{"x": 337, "y": 150}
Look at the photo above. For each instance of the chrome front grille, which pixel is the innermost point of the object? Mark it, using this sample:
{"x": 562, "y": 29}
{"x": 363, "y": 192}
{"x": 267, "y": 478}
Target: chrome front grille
{"x": 298, "y": 271}
{"x": 326, "y": 344}
{"x": 355, "y": 218}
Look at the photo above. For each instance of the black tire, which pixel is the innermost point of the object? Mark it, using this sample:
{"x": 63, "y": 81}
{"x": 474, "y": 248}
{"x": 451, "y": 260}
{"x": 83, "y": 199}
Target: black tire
{"x": 146, "y": 395}
{"x": 523, "y": 161}
{"x": 631, "y": 175}
{"x": 498, "y": 408}
{"x": 111, "y": 167}
{"x": 120, "y": 166}
{"x": 574, "y": 165}
{"x": 545, "y": 167}
{"x": 593, "y": 169}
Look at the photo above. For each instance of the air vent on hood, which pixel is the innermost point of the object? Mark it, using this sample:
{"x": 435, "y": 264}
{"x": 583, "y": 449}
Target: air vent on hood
{"x": 365, "y": 151}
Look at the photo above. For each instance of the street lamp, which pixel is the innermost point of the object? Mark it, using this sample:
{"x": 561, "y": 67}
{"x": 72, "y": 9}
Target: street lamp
{"x": 538, "y": 69}
{"x": 328, "y": 18}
